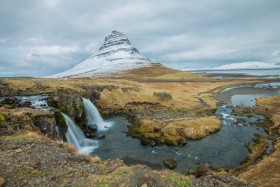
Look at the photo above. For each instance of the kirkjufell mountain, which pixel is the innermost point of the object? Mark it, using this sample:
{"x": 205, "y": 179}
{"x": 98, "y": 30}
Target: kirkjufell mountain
{"x": 114, "y": 56}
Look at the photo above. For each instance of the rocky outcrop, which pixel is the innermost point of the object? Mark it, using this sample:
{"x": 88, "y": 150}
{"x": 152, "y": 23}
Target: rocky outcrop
{"x": 69, "y": 102}
{"x": 10, "y": 102}
{"x": 13, "y": 120}
{"x": 93, "y": 92}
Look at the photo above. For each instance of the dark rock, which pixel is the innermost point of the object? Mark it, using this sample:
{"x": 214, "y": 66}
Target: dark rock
{"x": 92, "y": 127}
{"x": 90, "y": 135}
{"x": 101, "y": 136}
{"x": 10, "y": 101}
{"x": 26, "y": 104}
{"x": 46, "y": 125}
{"x": 163, "y": 95}
{"x": 152, "y": 143}
{"x": 156, "y": 130}
{"x": 170, "y": 163}
{"x": 90, "y": 131}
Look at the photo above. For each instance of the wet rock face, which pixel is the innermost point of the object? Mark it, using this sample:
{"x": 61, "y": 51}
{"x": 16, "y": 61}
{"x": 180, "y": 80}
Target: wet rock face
{"x": 61, "y": 123}
{"x": 170, "y": 163}
{"x": 68, "y": 102}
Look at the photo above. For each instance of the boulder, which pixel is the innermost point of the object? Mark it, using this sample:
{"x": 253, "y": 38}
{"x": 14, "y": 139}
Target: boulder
{"x": 163, "y": 95}
{"x": 170, "y": 163}
{"x": 90, "y": 130}
{"x": 92, "y": 127}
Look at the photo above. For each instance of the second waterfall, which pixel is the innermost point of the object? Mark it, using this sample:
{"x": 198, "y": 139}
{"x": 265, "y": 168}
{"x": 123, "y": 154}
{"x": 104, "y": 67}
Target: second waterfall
{"x": 93, "y": 116}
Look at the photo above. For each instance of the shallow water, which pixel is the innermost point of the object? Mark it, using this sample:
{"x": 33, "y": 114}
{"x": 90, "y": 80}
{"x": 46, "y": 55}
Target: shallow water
{"x": 249, "y": 100}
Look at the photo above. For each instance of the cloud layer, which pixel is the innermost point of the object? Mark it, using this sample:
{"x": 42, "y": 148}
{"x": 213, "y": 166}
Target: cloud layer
{"x": 39, "y": 38}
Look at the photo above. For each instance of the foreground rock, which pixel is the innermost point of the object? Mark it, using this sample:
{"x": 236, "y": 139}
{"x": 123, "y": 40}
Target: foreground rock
{"x": 170, "y": 163}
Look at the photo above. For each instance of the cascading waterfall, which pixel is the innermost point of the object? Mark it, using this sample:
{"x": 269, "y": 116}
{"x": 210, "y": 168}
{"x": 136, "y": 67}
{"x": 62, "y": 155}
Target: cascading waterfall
{"x": 93, "y": 116}
{"x": 76, "y": 137}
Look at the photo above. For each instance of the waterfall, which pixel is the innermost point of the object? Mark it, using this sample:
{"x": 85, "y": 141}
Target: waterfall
{"x": 93, "y": 116}
{"x": 76, "y": 137}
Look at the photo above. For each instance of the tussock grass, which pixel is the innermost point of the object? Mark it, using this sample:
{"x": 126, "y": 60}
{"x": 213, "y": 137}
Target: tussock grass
{"x": 267, "y": 171}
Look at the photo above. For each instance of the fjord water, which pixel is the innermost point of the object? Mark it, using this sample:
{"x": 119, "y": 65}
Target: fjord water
{"x": 93, "y": 116}
{"x": 75, "y": 136}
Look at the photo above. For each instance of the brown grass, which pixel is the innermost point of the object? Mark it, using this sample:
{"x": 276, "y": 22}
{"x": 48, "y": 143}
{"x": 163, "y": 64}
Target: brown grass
{"x": 267, "y": 172}
{"x": 177, "y": 129}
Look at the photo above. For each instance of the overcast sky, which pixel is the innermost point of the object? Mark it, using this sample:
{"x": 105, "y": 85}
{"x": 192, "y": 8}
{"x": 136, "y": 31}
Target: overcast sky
{"x": 44, "y": 37}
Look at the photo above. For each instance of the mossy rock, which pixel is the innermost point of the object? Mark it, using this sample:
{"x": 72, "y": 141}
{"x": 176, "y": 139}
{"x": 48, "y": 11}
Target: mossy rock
{"x": 170, "y": 163}
{"x": 60, "y": 122}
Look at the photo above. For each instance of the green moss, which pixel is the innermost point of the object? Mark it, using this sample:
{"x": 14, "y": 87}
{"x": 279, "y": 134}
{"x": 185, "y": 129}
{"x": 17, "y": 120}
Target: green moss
{"x": 60, "y": 122}
{"x": 2, "y": 118}
{"x": 265, "y": 123}
{"x": 247, "y": 160}
{"x": 176, "y": 181}
{"x": 259, "y": 138}
{"x": 20, "y": 171}
{"x": 16, "y": 138}
{"x": 60, "y": 145}
{"x": 36, "y": 173}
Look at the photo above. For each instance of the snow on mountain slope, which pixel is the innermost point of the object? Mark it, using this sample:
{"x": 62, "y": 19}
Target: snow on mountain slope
{"x": 115, "y": 55}
{"x": 237, "y": 66}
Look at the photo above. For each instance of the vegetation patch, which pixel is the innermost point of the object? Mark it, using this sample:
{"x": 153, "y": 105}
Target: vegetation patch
{"x": 175, "y": 131}
{"x": 16, "y": 138}
{"x": 175, "y": 180}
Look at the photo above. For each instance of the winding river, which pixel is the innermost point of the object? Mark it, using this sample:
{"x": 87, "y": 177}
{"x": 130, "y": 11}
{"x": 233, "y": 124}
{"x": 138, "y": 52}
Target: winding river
{"x": 224, "y": 149}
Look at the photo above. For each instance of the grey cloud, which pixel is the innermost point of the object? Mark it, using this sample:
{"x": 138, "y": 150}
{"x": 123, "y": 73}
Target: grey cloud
{"x": 40, "y": 38}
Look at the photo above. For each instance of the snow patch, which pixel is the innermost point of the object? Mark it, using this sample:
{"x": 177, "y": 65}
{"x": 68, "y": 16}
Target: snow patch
{"x": 238, "y": 66}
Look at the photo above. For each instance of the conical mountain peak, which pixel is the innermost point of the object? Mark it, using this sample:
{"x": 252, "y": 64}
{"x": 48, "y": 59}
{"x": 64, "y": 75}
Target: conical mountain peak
{"x": 115, "y": 55}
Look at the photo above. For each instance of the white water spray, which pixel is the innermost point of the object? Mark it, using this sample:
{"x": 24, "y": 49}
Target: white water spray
{"x": 93, "y": 116}
{"x": 76, "y": 137}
